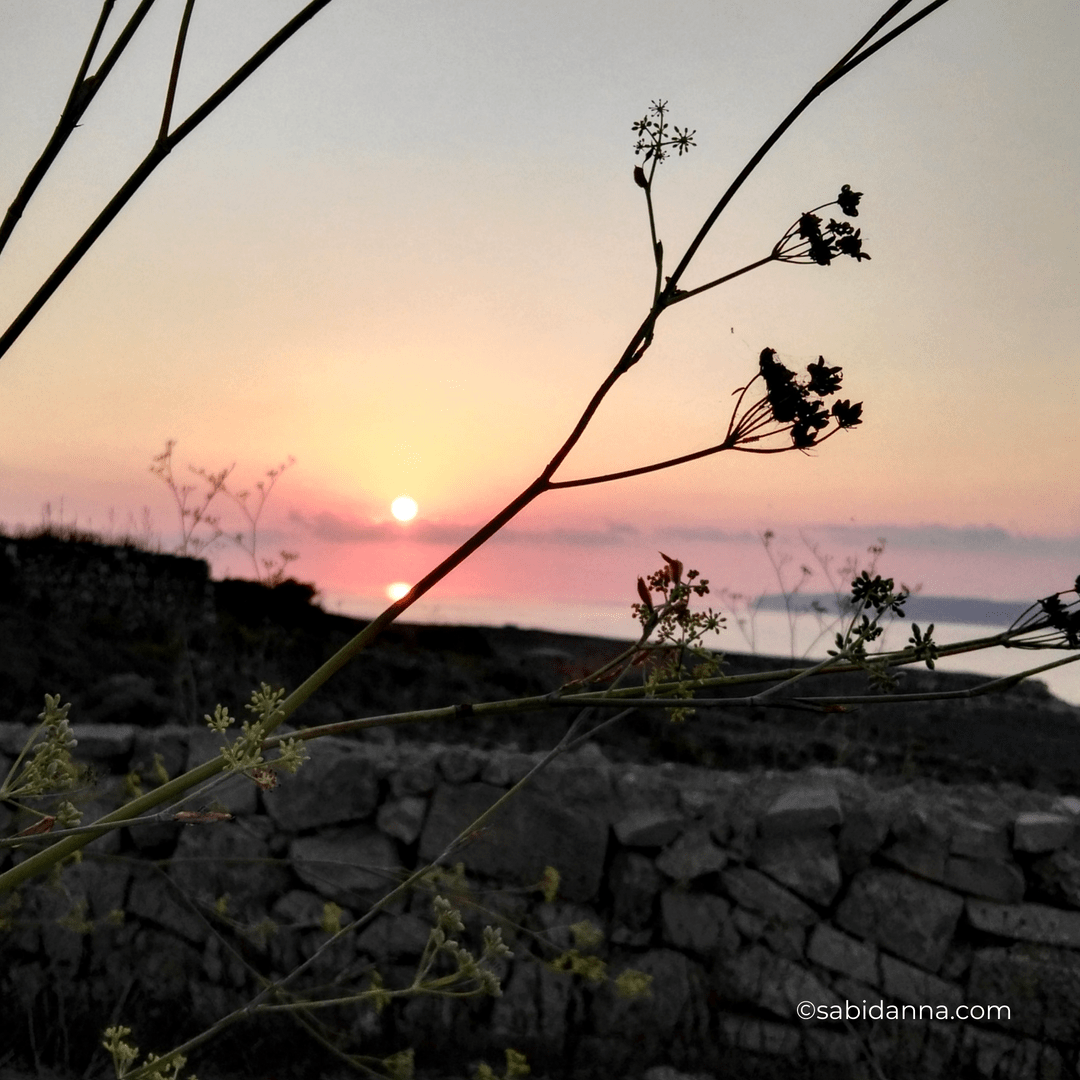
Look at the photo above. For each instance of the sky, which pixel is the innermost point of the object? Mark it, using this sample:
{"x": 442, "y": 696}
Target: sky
{"x": 410, "y": 248}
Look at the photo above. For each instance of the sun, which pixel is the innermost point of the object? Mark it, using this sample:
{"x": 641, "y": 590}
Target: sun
{"x": 397, "y": 589}
{"x": 404, "y": 508}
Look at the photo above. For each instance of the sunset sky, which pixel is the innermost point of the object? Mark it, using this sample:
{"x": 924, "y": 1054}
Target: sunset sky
{"x": 410, "y": 248}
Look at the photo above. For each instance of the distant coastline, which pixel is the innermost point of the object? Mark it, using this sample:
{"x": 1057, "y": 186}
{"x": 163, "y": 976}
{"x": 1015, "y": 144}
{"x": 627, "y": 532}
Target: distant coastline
{"x": 935, "y": 609}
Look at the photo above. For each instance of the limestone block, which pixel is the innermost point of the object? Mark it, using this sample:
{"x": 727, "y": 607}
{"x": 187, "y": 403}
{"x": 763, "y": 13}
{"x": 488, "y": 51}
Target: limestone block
{"x": 990, "y": 879}
{"x": 697, "y": 922}
{"x": 533, "y": 1007}
{"x": 1068, "y": 804}
{"x": 584, "y": 776}
{"x": 915, "y": 1049}
{"x": 785, "y": 940}
{"x": 402, "y": 818}
{"x": 649, "y": 827}
{"x": 1031, "y": 1058}
{"x": 632, "y": 939}
{"x": 755, "y": 891}
{"x": 170, "y": 742}
{"x": 127, "y": 698}
{"x": 414, "y": 773}
{"x": 1005, "y": 1058}
{"x": 835, "y": 1047}
{"x": 758, "y": 977}
{"x": 803, "y": 809}
{"x": 1059, "y": 875}
{"x": 556, "y": 920}
{"x": 761, "y": 1036}
{"x": 506, "y": 767}
{"x": 669, "y": 1072}
{"x": 460, "y": 764}
{"x": 856, "y": 992}
{"x": 102, "y": 884}
{"x": 391, "y": 937}
{"x": 979, "y": 840}
{"x": 165, "y": 967}
{"x": 634, "y": 883}
{"x": 533, "y": 830}
{"x": 836, "y": 951}
{"x": 674, "y": 1004}
{"x": 301, "y": 909}
{"x": 100, "y": 742}
{"x": 13, "y": 738}
{"x": 986, "y": 1049}
{"x": 337, "y": 784}
{"x": 1040, "y": 986}
{"x": 807, "y": 864}
{"x": 911, "y": 918}
{"x": 211, "y": 861}
{"x": 1026, "y": 922}
{"x": 724, "y": 813}
{"x": 913, "y": 986}
{"x": 691, "y": 855}
{"x": 861, "y": 835}
{"x": 1034, "y": 831}
{"x": 925, "y": 855}
{"x": 749, "y": 923}
{"x": 342, "y": 862}
{"x": 152, "y": 899}
{"x": 957, "y": 962}
{"x": 644, "y": 787}
{"x": 696, "y": 801}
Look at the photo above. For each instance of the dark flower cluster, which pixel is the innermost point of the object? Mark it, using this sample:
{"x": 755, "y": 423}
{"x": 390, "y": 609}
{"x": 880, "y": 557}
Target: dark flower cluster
{"x": 1061, "y": 618}
{"x": 808, "y": 242}
{"x": 838, "y": 238}
{"x": 877, "y": 592}
{"x": 655, "y": 140}
{"x": 802, "y": 404}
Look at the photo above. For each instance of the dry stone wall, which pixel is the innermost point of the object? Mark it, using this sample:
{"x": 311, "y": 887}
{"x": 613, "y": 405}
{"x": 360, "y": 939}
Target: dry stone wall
{"x": 744, "y": 897}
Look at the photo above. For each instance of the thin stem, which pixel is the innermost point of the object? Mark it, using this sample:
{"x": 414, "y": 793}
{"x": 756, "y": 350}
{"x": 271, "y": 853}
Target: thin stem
{"x": 82, "y": 93}
{"x": 742, "y": 391}
{"x": 174, "y": 74}
{"x": 246, "y": 70}
{"x": 630, "y": 356}
{"x": 757, "y": 417}
{"x": 153, "y": 159}
{"x": 79, "y": 89}
{"x": 641, "y": 470}
{"x": 377, "y": 625}
{"x": 682, "y": 295}
{"x": 846, "y": 63}
{"x": 894, "y": 33}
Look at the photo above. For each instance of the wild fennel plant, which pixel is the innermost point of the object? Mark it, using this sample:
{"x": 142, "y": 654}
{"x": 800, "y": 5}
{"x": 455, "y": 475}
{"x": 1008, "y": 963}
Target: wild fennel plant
{"x": 775, "y": 411}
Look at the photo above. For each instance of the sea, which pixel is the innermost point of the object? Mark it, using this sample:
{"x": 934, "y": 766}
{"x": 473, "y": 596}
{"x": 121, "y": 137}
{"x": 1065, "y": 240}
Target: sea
{"x": 766, "y": 630}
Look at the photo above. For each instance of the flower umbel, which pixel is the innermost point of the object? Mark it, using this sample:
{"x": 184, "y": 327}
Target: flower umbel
{"x": 50, "y": 768}
{"x": 799, "y": 406}
{"x": 807, "y": 241}
{"x": 680, "y": 630}
{"x": 655, "y": 139}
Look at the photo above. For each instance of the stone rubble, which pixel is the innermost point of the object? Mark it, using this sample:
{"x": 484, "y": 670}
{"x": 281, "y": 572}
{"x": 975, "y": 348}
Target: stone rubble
{"x": 741, "y": 895}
